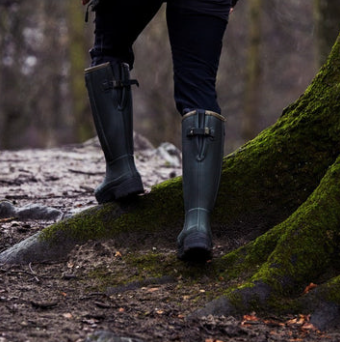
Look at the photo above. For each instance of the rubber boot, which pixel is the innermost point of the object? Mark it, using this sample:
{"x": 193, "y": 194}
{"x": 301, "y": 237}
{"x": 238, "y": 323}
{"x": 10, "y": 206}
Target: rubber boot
{"x": 109, "y": 89}
{"x": 202, "y": 150}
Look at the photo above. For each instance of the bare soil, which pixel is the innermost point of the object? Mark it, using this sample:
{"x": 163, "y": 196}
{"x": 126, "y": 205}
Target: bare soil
{"x": 67, "y": 301}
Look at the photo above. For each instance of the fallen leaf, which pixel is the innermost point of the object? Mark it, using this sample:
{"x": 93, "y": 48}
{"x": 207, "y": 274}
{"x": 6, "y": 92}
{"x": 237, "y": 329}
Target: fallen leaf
{"x": 298, "y": 320}
{"x": 67, "y": 315}
{"x": 152, "y": 289}
{"x": 118, "y": 254}
{"x": 310, "y": 287}
{"x": 250, "y": 318}
{"x": 273, "y": 323}
{"x": 309, "y": 326}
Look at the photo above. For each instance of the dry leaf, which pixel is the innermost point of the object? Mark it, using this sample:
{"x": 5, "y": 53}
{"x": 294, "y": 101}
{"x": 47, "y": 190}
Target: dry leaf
{"x": 67, "y": 315}
{"x": 247, "y": 318}
{"x": 310, "y": 287}
{"x": 309, "y": 326}
{"x": 118, "y": 254}
{"x": 273, "y": 323}
{"x": 302, "y": 319}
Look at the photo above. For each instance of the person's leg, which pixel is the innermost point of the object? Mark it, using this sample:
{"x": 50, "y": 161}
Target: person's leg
{"x": 118, "y": 24}
{"x": 196, "y": 29}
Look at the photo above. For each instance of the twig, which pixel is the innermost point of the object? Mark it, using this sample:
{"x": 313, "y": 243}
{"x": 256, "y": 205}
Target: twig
{"x": 86, "y": 172}
{"x": 33, "y": 273}
{"x": 8, "y": 219}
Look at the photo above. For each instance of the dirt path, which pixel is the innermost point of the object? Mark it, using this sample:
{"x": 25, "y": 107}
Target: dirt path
{"x": 66, "y": 301}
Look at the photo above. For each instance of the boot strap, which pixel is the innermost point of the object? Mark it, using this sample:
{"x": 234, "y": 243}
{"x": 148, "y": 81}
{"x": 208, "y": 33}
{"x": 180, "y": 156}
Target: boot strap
{"x": 115, "y": 84}
{"x": 206, "y": 132}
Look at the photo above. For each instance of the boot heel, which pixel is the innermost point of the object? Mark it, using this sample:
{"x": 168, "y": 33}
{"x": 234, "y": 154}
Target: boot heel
{"x": 195, "y": 247}
{"x": 112, "y": 192}
{"x": 132, "y": 186}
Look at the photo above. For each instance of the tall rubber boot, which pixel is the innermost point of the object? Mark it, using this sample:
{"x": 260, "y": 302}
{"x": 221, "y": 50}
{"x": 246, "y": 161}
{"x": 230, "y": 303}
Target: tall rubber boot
{"x": 202, "y": 150}
{"x": 109, "y": 89}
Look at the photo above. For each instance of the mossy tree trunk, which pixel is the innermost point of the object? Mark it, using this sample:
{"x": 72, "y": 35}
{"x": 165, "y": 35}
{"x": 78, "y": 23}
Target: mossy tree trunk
{"x": 279, "y": 195}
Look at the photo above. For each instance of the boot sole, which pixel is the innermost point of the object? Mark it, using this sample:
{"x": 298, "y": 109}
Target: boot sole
{"x": 129, "y": 187}
{"x": 196, "y": 248}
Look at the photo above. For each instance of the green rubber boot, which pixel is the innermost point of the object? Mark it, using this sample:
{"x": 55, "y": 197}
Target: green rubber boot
{"x": 202, "y": 150}
{"x": 109, "y": 89}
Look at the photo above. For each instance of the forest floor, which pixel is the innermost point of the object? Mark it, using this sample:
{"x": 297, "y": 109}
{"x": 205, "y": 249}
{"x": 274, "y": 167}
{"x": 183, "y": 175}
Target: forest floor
{"x": 62, "y": 301}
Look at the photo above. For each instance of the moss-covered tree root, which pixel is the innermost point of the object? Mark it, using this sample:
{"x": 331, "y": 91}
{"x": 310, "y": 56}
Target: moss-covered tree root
{"x": 277, "y": 267}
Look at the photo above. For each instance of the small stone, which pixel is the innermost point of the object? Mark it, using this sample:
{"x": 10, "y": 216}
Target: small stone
{"x": 108, "y": 336}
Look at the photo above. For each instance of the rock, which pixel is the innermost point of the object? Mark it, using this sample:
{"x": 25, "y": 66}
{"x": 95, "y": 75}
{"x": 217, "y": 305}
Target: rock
{"x": 29, "y": 212}
{"x": 7, "y": 210}
{"x": 107, "y": 336}
{"x": 170, "y": 154}
{"x": 326, "y": 316}
{"x": 34, "y": 249}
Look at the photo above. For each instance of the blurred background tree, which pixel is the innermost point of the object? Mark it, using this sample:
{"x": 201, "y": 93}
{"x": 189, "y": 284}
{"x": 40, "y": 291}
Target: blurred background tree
{"x": 271, "y": 52}
{"x": 327, "y": 23}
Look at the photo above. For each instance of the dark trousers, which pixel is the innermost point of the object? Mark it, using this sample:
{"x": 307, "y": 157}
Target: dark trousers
{"x": 196, "y": 29}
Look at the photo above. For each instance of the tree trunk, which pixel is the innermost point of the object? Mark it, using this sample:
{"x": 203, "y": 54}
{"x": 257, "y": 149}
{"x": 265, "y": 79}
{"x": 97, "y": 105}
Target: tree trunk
{"x": 83, "y": 125}
{"x": 279, "y": 195}
{"x": 327, "y": 18}
{"x": 253, "y": 72}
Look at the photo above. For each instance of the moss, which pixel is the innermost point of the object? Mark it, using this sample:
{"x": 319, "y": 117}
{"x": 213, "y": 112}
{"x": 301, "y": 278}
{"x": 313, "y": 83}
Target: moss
{"x": 153, "y": 268}
{"x": 88, "y": 225}
{"x": 330, "y": 291}
{"x": 307, "y": 245}
{"x": 112, "y": 219}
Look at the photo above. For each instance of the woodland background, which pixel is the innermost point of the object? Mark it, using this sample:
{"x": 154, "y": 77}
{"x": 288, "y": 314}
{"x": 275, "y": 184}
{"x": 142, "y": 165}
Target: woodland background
{"x": 271, "y": 52}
